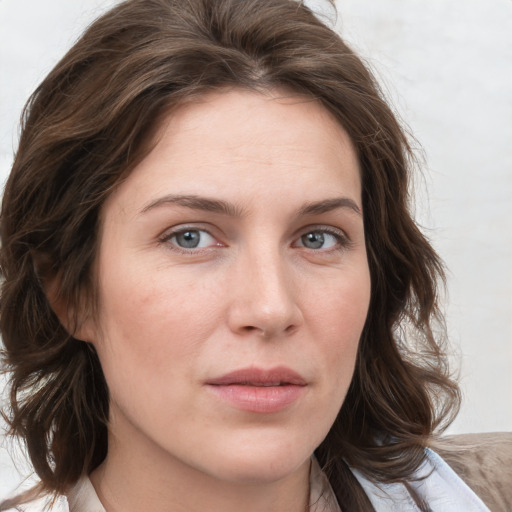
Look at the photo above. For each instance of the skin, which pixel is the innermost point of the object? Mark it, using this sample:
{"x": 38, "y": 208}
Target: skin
{"x": 256, "y": 292}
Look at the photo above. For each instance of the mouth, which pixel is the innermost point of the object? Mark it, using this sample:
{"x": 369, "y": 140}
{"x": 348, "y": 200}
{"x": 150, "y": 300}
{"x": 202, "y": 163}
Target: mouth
{"x": 261, "y": 384}
{"x": 259, "y": 390}
{"x": 279, "y": 376}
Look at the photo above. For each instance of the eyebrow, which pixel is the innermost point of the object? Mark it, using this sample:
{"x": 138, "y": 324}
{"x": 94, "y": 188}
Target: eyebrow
{"x": 207, "y": 204}
{"x": 328, "y": 205}
{"x": 197, "y": 203}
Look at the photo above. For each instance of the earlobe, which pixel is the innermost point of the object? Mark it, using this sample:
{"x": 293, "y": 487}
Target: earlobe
{"x": 76, "y": 324}
{"x": 84, "y": 328}
{"x": 73, "y": 318}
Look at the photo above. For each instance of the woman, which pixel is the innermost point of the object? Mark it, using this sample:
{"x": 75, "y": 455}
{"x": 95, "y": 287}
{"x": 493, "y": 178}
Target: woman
{"x": 214, "y": 295}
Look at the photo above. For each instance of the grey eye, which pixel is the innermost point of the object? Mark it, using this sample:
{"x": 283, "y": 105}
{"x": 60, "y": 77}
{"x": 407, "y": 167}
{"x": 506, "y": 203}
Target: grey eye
{"x": 320, "y": 239}
{"x": 188, "y": 239}
{"x": 313, "y": 240}
{"x": 192, "y": 239}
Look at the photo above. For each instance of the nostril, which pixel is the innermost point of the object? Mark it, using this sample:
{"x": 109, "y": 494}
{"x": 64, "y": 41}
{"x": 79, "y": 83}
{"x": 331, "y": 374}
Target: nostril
{"x": 268, "y": 333}
{"x": 251, "y": 328}
{"x": 290, "y": 329}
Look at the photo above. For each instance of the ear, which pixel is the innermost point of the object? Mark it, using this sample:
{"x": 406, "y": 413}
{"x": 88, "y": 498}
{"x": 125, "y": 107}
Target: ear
{"x": 76, "y": 320}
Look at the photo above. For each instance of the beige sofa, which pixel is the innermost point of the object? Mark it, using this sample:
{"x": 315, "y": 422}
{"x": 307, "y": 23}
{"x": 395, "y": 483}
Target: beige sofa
{"x": 484, "y": 462}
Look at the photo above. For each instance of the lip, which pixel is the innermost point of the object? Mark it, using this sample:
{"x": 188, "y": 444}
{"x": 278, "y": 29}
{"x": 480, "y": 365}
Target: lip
{"x": 259, "y": 390}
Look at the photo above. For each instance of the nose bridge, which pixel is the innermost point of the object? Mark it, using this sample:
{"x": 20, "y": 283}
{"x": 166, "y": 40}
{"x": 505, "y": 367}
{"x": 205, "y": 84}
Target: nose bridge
{"x": 266, "y": 297}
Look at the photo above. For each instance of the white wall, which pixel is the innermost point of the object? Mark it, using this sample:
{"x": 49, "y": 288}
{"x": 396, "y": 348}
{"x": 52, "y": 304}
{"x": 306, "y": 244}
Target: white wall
{"x": 447, "y": 67}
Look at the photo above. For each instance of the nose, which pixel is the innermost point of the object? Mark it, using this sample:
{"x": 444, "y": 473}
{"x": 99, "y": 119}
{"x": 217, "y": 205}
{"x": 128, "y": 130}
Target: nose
{"x": 264, "y": 296}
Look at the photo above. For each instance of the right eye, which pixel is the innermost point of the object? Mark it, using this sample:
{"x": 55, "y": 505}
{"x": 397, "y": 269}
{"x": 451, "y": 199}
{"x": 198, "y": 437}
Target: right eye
{"x": 189, "y": 239}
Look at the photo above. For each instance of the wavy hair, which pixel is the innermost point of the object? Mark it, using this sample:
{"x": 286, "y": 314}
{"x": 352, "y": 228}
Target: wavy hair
{"x": 91, "y": 121}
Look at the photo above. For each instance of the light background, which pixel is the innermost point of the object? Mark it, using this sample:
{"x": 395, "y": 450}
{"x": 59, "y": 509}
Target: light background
{"x": 446, "y": 65}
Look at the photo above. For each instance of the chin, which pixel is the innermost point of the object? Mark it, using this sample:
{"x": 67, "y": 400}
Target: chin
{"x": 260, "y": 471}
{"x": 255, "y": 462}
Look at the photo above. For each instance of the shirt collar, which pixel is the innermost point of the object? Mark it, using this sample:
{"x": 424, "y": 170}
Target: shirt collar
{"x": 83, "y": 497}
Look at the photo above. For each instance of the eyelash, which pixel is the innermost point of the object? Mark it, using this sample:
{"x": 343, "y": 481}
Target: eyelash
{"x": 343, "y": 241}
{"x": 169, "y": 235}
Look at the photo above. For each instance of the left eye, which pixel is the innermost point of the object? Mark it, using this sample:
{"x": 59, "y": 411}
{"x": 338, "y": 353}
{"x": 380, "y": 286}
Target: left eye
{"x": 319, "y": 240}
{"x": 192, "y": 239}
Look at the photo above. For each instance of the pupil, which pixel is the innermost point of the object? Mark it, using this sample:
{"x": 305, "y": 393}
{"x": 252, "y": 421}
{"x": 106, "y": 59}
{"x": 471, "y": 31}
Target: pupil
{"x": 313, "y": 240}
{"x": 188, "y": 239}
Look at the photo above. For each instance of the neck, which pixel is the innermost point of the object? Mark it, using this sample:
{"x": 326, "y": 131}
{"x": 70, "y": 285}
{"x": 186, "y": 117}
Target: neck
{"x": 135, "y": 477}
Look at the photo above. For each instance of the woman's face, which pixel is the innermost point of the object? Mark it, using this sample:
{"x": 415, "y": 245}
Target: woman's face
{"x": 234, "y": 286}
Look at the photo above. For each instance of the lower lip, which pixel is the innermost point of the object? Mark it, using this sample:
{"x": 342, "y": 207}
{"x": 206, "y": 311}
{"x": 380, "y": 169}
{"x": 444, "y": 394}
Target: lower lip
{"x": 261, "y": 399}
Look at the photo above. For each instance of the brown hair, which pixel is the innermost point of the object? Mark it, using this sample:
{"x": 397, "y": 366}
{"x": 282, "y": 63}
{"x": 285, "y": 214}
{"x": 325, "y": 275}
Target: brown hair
{"x": 87, "y": 125}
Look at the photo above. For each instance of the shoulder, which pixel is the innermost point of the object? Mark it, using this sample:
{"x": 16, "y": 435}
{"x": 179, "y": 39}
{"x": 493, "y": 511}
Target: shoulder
{"x": 29, "y": 497}
{"x": 42, "y": 504}
{"x": 435, "y": 484}
{"x": 80, "y": 498}
{"x": 484, "y": 462}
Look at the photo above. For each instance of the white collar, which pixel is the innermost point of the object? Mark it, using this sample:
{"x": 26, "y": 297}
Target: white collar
{"x": 83, "y": 497}
{"x": 442, "y": 489}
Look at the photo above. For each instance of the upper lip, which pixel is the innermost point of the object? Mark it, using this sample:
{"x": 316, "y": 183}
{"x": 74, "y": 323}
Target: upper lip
{"x": 260, "y": 377}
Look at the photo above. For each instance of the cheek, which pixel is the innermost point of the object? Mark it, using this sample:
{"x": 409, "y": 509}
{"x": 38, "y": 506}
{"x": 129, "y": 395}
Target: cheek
{"x": 336, "y": 318}
{"x": 338, "y": 315}
{"x": 147, "y": 348}
{"x": 149, "y": 321}
{"x": 340, "y": 305}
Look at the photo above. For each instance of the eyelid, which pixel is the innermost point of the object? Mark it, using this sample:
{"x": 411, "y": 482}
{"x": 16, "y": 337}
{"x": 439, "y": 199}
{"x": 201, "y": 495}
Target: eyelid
{"x": 344, "y": 240}
{"x": 170, "y": 233}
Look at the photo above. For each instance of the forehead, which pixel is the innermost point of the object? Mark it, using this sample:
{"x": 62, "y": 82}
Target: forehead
{"x": 241, "y": 141}
{"x": 231, "y": 117}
